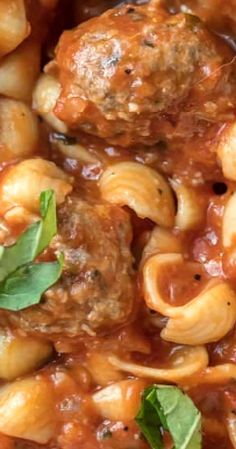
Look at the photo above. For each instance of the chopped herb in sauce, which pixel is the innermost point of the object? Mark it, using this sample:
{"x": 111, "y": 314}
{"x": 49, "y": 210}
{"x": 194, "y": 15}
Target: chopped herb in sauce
{"x": 166, "y": 408}
{"x": 22, "y": 282}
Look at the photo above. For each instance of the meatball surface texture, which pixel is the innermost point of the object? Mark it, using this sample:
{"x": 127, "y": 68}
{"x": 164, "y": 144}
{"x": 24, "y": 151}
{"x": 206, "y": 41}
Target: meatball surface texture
{"x": 96, "y": 287}
{"x": 130, "y": 75}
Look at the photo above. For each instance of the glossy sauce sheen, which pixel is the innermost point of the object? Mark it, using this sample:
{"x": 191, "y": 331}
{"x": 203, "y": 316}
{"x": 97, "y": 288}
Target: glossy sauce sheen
{"x": 193, "y": 161}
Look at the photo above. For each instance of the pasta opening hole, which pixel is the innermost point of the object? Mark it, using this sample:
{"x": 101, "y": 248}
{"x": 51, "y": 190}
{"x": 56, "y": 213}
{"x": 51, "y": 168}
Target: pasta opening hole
{"x": 219, "y": 188}
{"x": 180, "y": 283}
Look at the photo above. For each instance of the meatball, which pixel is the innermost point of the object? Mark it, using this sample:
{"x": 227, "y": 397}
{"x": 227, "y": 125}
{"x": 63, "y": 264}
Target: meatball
{"x": 95, "y": 292}
{"x": 224, "y": 21}
{"x": 129, "y": 75}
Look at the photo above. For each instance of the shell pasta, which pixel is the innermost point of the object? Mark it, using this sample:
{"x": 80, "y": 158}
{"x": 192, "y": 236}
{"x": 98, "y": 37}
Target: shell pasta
{"x": 117, "y": 224}
{"x": 141, "y": 188}
{"x": 206, "y": 318}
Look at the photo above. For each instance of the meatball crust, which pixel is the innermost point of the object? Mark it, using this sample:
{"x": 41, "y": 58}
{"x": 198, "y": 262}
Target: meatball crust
{"x": 96, "y": 287}
{"x": 131, "y": 71}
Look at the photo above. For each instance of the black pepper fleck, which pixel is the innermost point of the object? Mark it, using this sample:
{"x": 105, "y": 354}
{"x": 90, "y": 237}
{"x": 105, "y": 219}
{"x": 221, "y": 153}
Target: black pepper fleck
{"x": 197, "y": 277}
{"x": 128, "y": 71}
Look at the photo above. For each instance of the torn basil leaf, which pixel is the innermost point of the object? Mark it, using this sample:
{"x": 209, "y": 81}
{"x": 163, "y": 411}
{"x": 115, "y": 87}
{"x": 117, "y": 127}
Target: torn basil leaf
{"x": 167, "y": 408}
{"x": 34, "y": 240}
{"x": 23, "y": 282}
{"x": 26, "y": 285}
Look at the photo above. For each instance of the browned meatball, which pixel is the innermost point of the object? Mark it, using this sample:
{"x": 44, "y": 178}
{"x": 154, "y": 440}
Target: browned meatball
{"x": 96, "y": 288}
{"x": 128, "y": 75}
{"x": 220, "y": 15}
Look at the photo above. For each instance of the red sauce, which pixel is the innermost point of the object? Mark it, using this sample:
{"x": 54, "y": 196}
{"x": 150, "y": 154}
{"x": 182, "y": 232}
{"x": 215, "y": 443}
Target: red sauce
{"x": 193, "y": 161}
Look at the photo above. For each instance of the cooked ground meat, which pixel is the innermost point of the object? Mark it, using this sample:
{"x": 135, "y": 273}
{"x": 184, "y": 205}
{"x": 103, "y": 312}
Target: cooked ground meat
{"x": 96, "y": 289}
{"x": 220, "y": 15}
{"x": 129, "y": 75}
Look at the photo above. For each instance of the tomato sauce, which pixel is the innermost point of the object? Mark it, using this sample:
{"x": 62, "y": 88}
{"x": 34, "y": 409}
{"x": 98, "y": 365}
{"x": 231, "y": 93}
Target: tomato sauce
{"x": 193, "y": 162}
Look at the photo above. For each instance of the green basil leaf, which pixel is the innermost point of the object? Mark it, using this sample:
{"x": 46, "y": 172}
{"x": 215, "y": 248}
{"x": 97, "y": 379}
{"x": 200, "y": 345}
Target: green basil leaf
{"x": 33, "y": 241}
{"x": 49, "y": 219}
{"x": 165, "y": 407}
{"x": 25, "y": 286}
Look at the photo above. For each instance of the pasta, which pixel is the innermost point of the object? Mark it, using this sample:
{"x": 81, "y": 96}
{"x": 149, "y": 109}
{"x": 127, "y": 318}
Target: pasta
{"x": 17, "y": 76}
{"x": 27, "y": 410}
{"x": 45, "y": 95}
{"x": 119, "y": 401}
{"x": 185, "y": 364}
{"x": 77, "y": 152}
{"x": 226, "y": 151}
{"x": 228, "y": 225}
{"x": 160, "y": 241}
{"x": 141, "y": 188}
{"x": 231, "y": 426}
{"x": 101, "y": 370}
{"x": 24, "y": 181}
{"x": 19, "y": 130}
{"x": 117, "y": 224}
{"x": 208, "y": 317}
{"x": 21, "y": 355}
{"x": 14, "y": 25}
{"x": 190, "y": 213}
{"x": 216, "y": 374}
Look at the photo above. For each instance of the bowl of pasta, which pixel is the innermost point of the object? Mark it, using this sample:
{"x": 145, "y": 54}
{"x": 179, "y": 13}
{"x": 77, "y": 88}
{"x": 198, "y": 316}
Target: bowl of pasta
{"x": 117, "y": 224}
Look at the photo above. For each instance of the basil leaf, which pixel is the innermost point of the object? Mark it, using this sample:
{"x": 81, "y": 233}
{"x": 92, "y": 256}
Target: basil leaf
{"x": 22, "y": 282}
{"x": 33, "y": 241}
{"x": 26, "y": 285}
{"x": 166, "y": 407}
{"x": 49, "y": 219}
{"x": 150, "y": 423}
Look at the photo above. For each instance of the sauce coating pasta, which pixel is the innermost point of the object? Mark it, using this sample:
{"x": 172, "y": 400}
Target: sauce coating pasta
{"x": 117, "y": 173}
